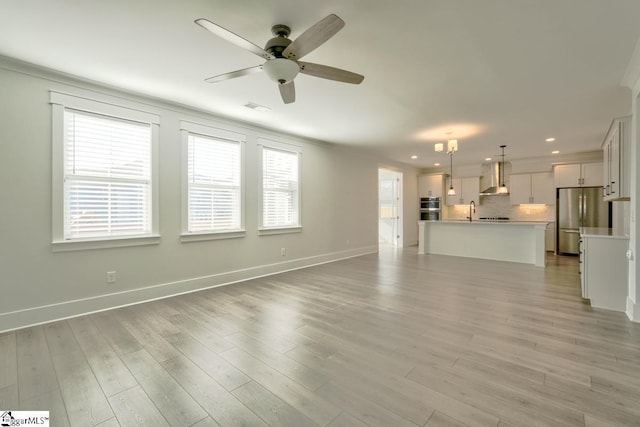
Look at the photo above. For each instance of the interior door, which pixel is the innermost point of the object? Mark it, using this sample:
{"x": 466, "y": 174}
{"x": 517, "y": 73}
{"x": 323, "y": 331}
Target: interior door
{"x": 389, "y": 223}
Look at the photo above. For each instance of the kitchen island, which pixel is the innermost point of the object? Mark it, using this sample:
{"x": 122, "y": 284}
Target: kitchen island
{"x": 513, "y": 241}
{"x": 604, "y": 267}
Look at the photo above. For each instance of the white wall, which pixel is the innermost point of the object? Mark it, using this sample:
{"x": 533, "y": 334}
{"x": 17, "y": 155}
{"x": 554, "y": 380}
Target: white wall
{"x": 631, "y": 79}
{"x": 339, "y": 204}
{"x": 410, "y": 207}
{"x": 633, "y": 305}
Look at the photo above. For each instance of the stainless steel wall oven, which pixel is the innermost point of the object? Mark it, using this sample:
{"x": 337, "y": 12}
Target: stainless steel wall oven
{"x": 430, "y": 209}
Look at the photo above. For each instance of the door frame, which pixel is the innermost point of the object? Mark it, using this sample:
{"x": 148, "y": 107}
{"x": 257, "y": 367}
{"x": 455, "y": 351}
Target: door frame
{"x": 398, "y": 241}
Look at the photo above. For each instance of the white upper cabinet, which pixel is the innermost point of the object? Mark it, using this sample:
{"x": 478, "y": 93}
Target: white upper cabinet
{"x": 592, "y": 175}
{"x": 567, "y": 175}
{"x": 617, "y": 153}
{"x": 520, "y": 189}
{"x": 467, "y": 189}
{"x": 542, "y": 189}
{"x": 470, "y": 190}
{"x": 457, "y": 185}
{"x": 578, "y": 175}
{"x": 534, "y": 188}
{"x": 430, "y": 185}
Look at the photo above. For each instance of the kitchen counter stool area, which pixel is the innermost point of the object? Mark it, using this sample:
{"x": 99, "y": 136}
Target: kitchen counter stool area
{"x": 522, "y": 242}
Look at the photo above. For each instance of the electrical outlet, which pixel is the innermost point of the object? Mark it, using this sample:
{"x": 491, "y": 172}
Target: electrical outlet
{"x": 283, "y": 251}
{"x": 111, "y": 276}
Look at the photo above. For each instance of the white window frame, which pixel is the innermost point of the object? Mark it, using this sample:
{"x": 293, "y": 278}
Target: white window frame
{"x": 211, "y": 131}
{"x": 290, "y": 148}
{"x": 107, "y": 107}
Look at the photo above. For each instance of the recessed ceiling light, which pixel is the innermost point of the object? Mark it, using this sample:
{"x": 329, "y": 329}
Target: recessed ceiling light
{"x": 436, "y": 164}
{"x": 555, "y": 152}
{"x": 414, "y": 157}
{"x": 487, "y": 159}
{"x": 550, "y": 139}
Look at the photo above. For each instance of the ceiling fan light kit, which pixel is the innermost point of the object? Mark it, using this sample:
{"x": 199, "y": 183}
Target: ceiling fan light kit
{"x": 282, "y": 55}
{"x": 281, "y": 70}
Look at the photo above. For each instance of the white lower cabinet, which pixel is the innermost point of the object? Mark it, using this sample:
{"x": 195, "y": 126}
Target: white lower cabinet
{"x": 604, "y": 269}
{"x": 550, "y": 237}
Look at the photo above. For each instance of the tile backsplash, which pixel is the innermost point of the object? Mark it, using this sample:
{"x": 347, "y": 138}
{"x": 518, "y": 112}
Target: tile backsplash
{"x": 500, "y": 206}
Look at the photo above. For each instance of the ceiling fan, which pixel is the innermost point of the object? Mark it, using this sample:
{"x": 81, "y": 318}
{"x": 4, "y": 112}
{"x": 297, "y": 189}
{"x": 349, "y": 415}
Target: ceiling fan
{"x": 283, "y": 55}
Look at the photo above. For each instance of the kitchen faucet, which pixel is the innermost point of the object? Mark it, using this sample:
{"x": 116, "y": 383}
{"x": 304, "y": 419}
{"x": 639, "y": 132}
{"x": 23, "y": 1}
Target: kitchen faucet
{"x": 472, "y": 205}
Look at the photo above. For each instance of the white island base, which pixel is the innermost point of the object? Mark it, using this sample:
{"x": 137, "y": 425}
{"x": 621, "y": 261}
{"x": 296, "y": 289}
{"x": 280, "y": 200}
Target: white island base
{"x": 522, "y": 242}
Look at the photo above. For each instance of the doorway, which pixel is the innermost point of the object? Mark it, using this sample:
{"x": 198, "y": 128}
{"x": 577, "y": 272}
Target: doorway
{"x": 389, "y": 208}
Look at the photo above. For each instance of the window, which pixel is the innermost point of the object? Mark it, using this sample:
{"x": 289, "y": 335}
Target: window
{"x": 280, "y": 186}
{"x": 103, "y": 172}
{"x": 212, "y": 206}
{"x": 107, "y": 176}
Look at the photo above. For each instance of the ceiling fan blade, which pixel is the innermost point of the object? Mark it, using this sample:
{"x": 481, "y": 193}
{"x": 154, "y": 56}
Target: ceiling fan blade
{"x": 288, "y": 92}
{"x": 234, "y": 74}
{"x": 314, "y": 37}
{"x": 231, "y": 37}
{"x": 331, "y": 73}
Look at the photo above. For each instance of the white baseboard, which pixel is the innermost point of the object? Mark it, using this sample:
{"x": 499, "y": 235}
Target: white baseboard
{"x": 633, "y": 310}
{"x": 67, "y": 309}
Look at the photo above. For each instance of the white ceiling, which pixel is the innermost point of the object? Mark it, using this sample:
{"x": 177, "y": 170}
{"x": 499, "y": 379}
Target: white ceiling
{"x": 491, "y": 72}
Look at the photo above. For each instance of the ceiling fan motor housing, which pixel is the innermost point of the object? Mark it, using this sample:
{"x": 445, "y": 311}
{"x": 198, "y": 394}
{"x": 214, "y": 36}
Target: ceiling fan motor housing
{"x": 277, "y": 45}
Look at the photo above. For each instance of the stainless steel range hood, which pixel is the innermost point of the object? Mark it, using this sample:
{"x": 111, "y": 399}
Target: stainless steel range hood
{"x": 492, "y": 176}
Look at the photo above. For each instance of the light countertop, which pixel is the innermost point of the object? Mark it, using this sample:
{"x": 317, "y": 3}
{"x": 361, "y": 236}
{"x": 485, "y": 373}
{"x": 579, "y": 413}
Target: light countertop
{"x": 490, "y": 223}
{"x": 602, "y": 232}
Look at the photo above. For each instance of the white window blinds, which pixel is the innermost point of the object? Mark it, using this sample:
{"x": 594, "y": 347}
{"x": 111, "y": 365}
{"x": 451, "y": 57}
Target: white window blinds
{"x": 280, "y": 188}
{"x": 107, "y": 176}
{"x": 214, "y": 191}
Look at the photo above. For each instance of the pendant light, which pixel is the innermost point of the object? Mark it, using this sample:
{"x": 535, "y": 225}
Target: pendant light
{"x": 452, "y": 147}
{"x": 503, "y": 188}
{"x": 451, "y": 191}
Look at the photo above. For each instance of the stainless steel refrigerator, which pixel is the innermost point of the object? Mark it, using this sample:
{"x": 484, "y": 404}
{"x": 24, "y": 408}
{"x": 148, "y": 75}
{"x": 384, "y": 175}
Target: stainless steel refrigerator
{"x": 579, "y": 207}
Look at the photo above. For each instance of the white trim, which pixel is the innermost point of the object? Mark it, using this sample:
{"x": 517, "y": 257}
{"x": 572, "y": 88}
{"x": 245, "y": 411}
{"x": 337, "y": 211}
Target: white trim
{"x": 278, "y": 145}
{"x": 187, "y": 127}
{"x": 633, "y": 310}
{"x": 278, "y": 230}
{"x": 155, "y": 179}
{"x": 290, "y": 148}
{"x": 222, "y": 235}
{"x": 47, "y": 313}
{"x": 210, "y": 130}
{"x": 104, "y": 107}
{"x": 59, "y": 101}
{"x": 184, "y": 186}
{"x": 103, "y": 243}
{"x": 57, "y": 172}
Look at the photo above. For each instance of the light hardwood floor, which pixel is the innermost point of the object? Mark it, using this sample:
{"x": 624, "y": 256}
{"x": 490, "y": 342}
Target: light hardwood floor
{"x": 390, "y": 339}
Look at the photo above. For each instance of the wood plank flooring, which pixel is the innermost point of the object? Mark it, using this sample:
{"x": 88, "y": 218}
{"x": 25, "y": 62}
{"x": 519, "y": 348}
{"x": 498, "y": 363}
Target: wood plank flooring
{"x": 389, "y": 339}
